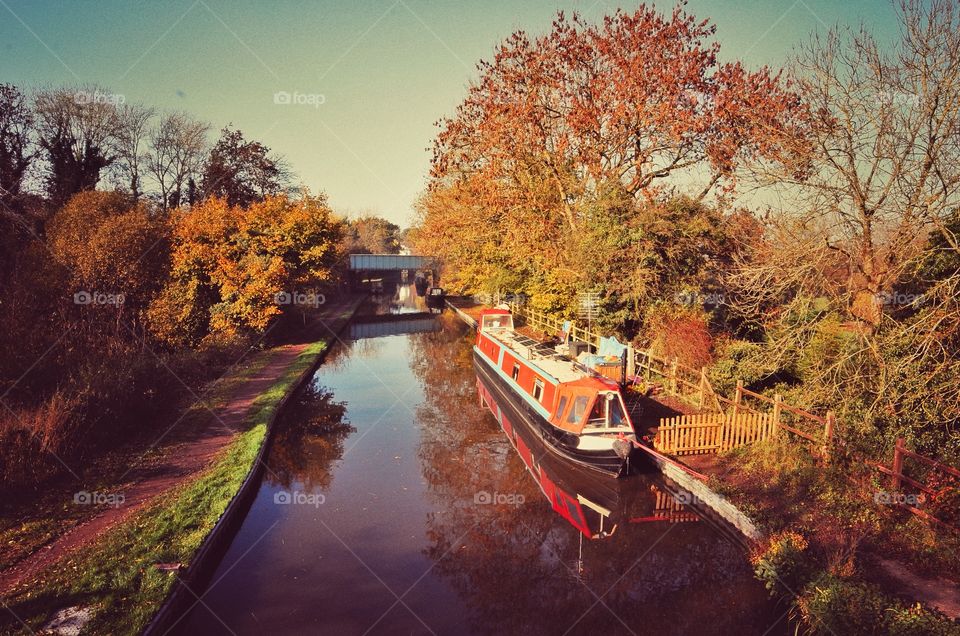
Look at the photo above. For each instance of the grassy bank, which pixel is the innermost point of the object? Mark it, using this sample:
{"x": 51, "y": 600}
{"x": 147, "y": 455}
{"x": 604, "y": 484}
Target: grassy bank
{"x": 826, "y": 533}
{"x": 30, "y": 524}
{"x": 116, "y": 576}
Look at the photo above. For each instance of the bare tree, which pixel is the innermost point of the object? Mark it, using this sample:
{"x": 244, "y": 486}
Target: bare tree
{"x": 882, "y": 180}
{"x": 178, "y": 146}
{"x": 16, "y": 144}
{"x": 129, "y": 146}
{"x": 884, "y": 164}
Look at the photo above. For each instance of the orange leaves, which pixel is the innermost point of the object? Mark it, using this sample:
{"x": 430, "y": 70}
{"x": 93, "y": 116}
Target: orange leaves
{"x": 634, "y": 99}
{"x": 110, "y": 245}
{"x": 231, "y": 263}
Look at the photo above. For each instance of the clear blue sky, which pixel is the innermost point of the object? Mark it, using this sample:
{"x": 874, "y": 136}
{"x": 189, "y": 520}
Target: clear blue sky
{"x": 387, "y": 69}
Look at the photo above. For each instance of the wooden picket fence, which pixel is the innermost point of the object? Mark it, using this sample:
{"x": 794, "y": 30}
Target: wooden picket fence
{"x": 711, "y": 432}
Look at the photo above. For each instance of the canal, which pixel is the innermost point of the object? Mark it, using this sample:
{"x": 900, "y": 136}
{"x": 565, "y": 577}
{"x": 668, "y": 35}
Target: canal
{"x": 393, "y": 503}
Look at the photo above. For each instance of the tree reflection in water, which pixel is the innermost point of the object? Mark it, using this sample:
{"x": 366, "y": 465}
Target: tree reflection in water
{"x": 516, "y": 566}
{"x": 309, "y": 440}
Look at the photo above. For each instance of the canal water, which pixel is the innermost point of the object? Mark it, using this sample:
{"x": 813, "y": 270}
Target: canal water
{"x": 393, "y": 503}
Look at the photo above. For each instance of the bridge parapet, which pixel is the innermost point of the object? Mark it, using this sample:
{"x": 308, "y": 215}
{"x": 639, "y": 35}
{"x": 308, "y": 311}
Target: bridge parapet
{"x": 390, "y": 262}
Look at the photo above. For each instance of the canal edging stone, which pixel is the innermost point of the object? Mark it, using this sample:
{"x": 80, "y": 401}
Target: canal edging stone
{"x": 704, "y": 495}
{"x": 215, "y": 544}
{"x": 716, "y": 502}
{"x": 463, "y": 316}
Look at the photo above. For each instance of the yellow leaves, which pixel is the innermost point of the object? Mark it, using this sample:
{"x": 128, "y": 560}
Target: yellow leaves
{"x": 237, "y": 261}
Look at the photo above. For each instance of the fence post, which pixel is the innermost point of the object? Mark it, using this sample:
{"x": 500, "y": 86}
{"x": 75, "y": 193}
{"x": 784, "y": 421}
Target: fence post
{"x": 897, "y": 465}
{"x": 737, "y": 396}
{"x": 649, "y": 354}
{"x": 777, "y": 407}
{"x": 828, "y": 433}
{"x": 673, "y": 375}
{"x": 631, "y": 362}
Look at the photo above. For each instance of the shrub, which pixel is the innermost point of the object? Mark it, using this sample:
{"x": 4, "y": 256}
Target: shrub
{"x": 681, "y": 333}
{"x": 830, "y": 605}
{"x": 783, "y": 566}
{"x": 737, "y": 360}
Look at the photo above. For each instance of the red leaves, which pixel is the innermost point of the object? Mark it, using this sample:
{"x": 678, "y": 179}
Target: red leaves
{"x": 634, "y": 99}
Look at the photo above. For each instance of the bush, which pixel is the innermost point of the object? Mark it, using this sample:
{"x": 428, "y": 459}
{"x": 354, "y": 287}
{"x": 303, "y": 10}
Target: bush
{"x": 32, "y": 438}
{"x": 681, "y": 333}
{"x": 830, "y": 605}
{"x": 737, "y": 360}
{"x": 783, "y": 566}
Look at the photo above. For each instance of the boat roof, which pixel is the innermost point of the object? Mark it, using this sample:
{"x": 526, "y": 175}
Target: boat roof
{"x": 546, "y": 359}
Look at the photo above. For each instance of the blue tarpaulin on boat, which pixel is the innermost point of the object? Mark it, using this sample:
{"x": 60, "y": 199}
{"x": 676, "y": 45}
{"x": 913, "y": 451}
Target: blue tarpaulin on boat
{"x": 610, "y": 351}
{"x": 611, "y": 347}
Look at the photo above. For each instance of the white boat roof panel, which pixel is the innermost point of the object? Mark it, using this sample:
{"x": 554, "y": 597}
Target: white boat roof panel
{"x": 539, "y": 354}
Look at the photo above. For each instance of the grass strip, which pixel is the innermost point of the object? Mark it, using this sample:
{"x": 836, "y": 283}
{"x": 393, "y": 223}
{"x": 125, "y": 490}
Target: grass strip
{"x": 115, "y": 575}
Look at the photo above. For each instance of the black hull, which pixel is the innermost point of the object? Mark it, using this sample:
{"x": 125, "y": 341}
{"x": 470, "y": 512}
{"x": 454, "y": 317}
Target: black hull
{"x": 520, "y": 413}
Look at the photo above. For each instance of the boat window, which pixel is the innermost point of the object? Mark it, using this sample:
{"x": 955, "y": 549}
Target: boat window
{"x": 617, "y": 416}
{"x": 497, "y": 321}
{"x": 516, "y": 371}
{"x": 577, "y": 410}
{"x": 597, "y": 416}
{"x": 537, "y": 389}
{"x": 563, "y": 405}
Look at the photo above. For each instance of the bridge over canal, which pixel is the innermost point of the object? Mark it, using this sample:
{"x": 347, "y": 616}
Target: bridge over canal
{"x": 391, "y": 266}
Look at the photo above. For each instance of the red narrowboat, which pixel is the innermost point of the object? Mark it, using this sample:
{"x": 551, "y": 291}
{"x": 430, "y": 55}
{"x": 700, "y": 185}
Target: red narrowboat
{"x": 574, "y": 414}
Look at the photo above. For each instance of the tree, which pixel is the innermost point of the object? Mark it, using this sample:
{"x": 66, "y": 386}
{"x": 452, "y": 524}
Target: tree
{"x": 177, "y": 148}
{"x": 16, "y": 151}
{"x": 564, "y": 132}
{"x": 129, "y": 146}
{"x": 835, "y": 272}
{"x": 635, "y": 100}
{"x": 241, "y": 171}
{"x": 885, "y": 148}
{"x": 111, "y": 245}
{"x": 75, "y": 127}
{"x": 372, "y": 235}
{"x": 230, "y": 264}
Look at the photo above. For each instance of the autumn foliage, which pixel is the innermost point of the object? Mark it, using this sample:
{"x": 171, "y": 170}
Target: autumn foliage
{"x": 633, "y": 100}
{"x": 566, "y": 140}
{"x": 231, "y": 264}
{"x": 119, "y": 305}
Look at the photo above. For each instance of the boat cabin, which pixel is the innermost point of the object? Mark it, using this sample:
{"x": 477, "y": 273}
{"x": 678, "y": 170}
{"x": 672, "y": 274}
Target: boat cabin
{"x": 496, "y": 319}
{"x": 568, "y": 397}
{"x": 588, "y": 406}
